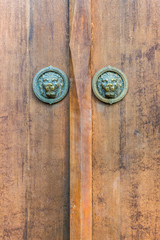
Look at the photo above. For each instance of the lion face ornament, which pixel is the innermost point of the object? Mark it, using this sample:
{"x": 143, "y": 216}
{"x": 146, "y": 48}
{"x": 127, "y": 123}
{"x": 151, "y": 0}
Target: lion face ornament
{"x": 109, "y": 88}
{"x": 109, "y": 85}
{"x": 50, "y": 85}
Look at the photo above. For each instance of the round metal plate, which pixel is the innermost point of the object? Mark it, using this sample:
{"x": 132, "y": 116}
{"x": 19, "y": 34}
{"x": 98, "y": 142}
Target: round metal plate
{"x": 50, "y": 85}
{"x": 110, "y": 85}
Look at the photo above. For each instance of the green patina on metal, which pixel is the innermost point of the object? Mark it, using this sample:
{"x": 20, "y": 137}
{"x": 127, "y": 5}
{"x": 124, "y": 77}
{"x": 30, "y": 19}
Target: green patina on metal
{"x": 50, "y": 85}
{"x": 110, "y": 85}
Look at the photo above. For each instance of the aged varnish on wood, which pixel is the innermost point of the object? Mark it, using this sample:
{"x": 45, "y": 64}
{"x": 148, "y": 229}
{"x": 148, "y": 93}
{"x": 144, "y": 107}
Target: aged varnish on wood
{"x": 34, "y": 137}
{"x": 80, "y": 122}
{"x": 126, "y": 136}
{"x": 79, "y": 169}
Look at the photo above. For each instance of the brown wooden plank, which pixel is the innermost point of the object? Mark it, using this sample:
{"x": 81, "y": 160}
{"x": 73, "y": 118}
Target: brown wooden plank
{"x": 80, "y": 123}
{"x": 34, "y": 137}
{"x": 48, "y": 186}
{"x": 126, "y": 174}
{"x": 140, "y": 56}
{"x": 13, "y": 118}
{"x": 106, "y": 125}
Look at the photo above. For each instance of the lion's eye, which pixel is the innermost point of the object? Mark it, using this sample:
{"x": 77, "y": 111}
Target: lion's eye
{"x": 45, "y": 80}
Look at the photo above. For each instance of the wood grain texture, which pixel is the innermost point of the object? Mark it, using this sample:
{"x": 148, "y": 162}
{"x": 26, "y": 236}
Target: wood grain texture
{"x": 13, "y": 119}
{"x": 106, "y": 125}
{"x": 34, "y": 137}
{"x": 48, "y": 188}
{"x": 126, "y": 169}
{"x": 80, "y": 122}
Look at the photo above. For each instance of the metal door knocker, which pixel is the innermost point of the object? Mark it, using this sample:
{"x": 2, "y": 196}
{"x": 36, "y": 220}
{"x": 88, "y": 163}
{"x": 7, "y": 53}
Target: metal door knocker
{"x": 50, "y": 85}
{"x": 110, "y": 85}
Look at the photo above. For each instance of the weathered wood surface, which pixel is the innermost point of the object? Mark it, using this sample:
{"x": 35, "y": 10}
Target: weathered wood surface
{"x": 126, "y": 155}
{"x": 80, "y": 122}
{"x": 34, "y": 137}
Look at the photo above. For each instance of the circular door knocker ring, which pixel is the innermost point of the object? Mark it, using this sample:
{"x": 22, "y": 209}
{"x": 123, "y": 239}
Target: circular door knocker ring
{"x": 110, "y": 85}
{"x": 50, "y": 85}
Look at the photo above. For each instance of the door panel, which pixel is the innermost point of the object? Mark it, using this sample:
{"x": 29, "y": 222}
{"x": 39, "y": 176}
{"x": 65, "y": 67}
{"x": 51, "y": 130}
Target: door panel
{"x": 35, "y": 143}
{"x": 126, "y": 174}
{"x": 34, "y": 136}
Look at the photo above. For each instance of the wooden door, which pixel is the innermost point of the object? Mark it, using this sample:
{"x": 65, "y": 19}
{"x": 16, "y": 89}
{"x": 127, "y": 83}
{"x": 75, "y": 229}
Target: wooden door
{"x": 126, "y": 164}
{"x": 79, "y": 169}
{"x": 34, "y": 137}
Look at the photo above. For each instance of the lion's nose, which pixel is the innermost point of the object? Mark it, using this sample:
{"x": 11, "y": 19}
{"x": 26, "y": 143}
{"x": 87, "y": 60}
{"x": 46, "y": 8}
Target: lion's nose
{"x": 49, "y": 84}
{"x": 112, "y": 88}
{"x": 106, "y": 89}
{"x": 49, "y": 87}
{"x": 52, "y": 88}
{"x": 109, "y": 87}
